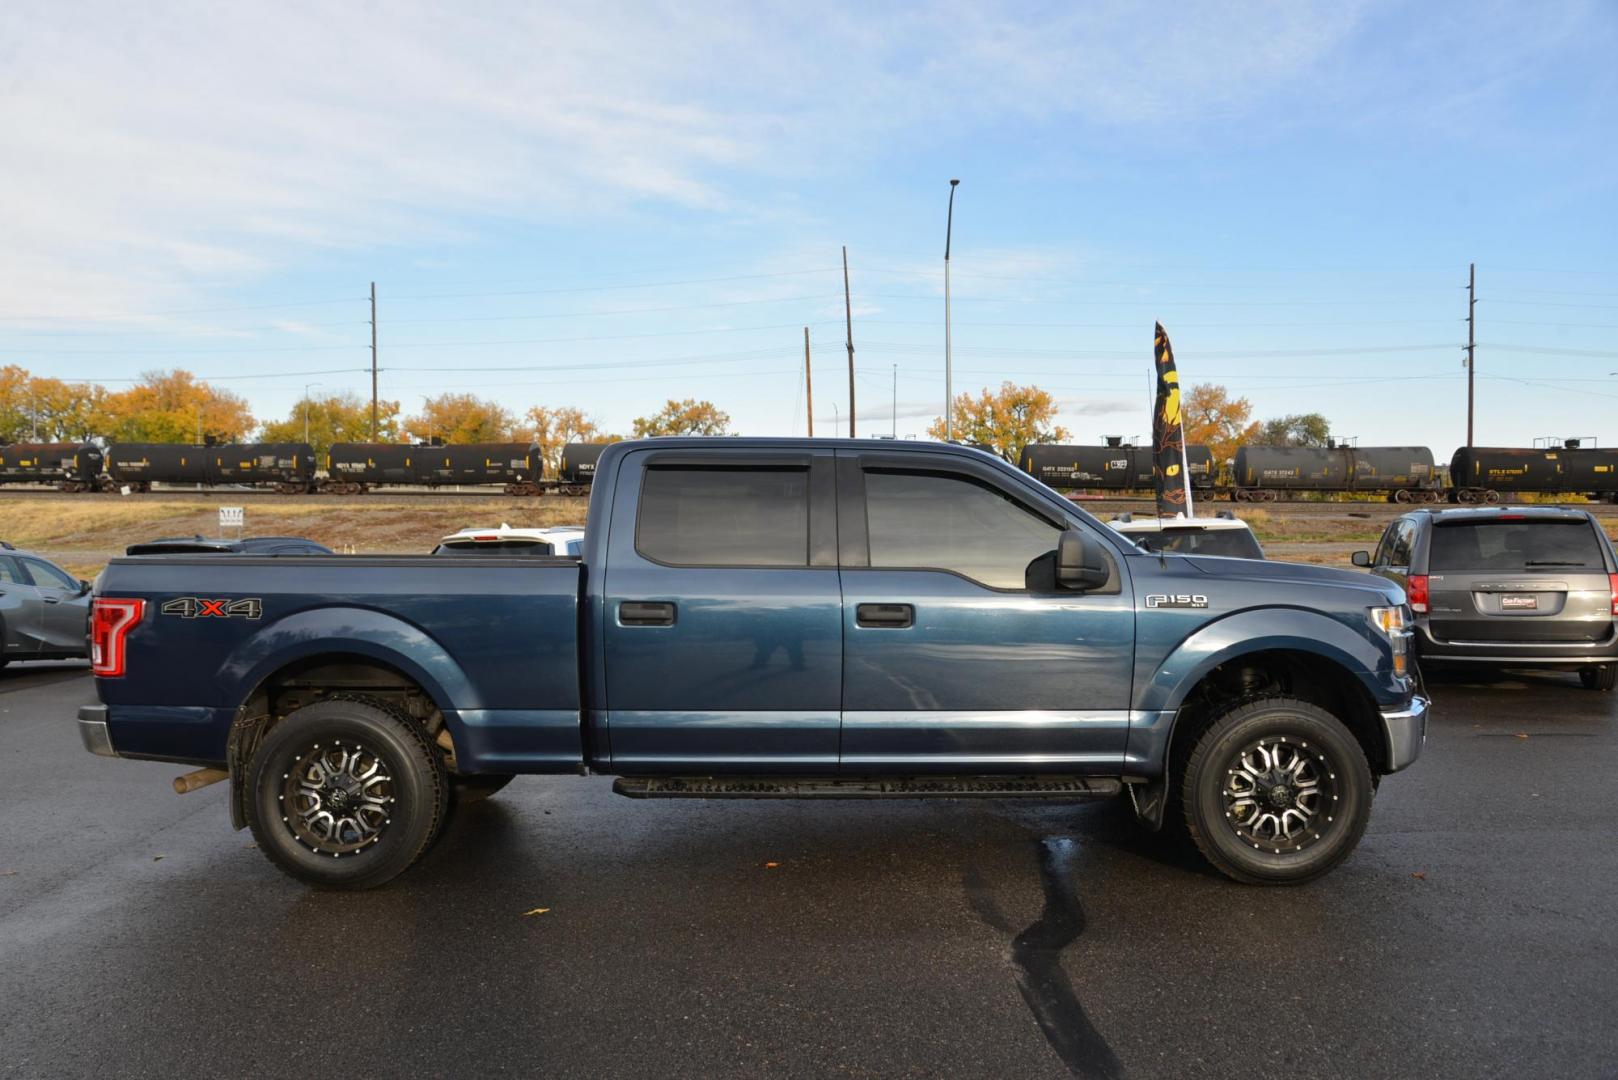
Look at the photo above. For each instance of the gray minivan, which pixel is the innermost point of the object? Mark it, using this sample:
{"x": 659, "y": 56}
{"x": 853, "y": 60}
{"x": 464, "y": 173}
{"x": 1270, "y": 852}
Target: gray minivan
{"x": 1510, "y": 586}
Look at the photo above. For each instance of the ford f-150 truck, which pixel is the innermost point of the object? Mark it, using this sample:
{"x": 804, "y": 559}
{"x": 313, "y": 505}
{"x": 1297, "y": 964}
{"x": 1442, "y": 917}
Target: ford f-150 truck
{"x": 768, "y": 618}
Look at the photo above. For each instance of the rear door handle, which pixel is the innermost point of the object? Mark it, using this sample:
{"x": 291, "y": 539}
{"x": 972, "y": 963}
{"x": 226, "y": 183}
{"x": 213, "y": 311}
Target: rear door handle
{"x": 889, "y": 616}
{"x": 645, "y": 613}
{"x": 51, "y": 599}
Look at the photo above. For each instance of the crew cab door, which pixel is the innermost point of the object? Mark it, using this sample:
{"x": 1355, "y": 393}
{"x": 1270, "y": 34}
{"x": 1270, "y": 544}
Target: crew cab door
{"x": 722, "y": 614}
{"x": 21, "y": 613}
{"x": 957, "y": 656}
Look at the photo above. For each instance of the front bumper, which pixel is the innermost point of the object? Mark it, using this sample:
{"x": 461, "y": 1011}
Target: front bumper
{"x": 1405, "y": 730}
{"x": 93, "y": 730}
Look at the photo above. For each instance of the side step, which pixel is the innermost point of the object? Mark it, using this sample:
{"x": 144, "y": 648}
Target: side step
{"x": 872, "y": 787}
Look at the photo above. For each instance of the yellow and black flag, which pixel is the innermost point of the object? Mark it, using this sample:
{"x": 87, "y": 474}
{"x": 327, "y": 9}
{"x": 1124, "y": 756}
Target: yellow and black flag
{"x": 1168, "y": 434}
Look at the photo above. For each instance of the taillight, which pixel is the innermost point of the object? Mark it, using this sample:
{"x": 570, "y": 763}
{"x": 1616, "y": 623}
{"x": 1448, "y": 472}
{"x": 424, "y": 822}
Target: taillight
{"x": 1416, "y": 592}
{"x": 110, "y": 622}
{"x": 1612, "y": 587}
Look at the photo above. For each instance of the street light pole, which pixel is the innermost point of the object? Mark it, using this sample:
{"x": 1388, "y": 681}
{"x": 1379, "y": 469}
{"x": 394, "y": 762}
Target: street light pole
{"x": 306, "y": 388}
{"x": 949, "y": 367}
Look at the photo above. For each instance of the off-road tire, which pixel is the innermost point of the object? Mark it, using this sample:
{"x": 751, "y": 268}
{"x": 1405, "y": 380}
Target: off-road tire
{"x": 1295, "y": 726}
{"x": 476, "y": 787}
{"x": 1602, "y": 677}
{"x": 418, "y": 793}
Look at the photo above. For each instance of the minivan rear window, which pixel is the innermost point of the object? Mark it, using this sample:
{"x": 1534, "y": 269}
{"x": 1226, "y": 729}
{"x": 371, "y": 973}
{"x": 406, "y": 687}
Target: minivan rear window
{"x": 1515, "y": 546}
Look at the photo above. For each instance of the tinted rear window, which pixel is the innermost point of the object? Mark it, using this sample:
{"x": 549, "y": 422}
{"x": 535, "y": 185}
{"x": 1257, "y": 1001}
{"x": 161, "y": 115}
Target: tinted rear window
{"x": 1515, "y": 545}
{"x": 1231, "y": 543}
{"x": 725, "y": 517}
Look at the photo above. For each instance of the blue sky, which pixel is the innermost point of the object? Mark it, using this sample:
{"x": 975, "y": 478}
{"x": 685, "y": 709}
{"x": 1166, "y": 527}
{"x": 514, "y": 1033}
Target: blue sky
{"x": 610, "y": 205}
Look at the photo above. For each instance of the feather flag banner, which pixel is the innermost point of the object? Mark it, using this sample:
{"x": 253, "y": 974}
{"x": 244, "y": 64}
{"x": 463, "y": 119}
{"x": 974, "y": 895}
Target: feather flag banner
{"x": 1170, "y": 475}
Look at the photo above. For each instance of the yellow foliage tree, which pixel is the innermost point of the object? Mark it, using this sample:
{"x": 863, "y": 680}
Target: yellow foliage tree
{"x": 553, "y": 427}
{"x": 174, "y": 407}
{"x": 1007, "y": 419}
{"x": 1214, "y": 419}
{"x": 33, "y": 407}
{"x": 335, "y": 418}
{"x": 460, "y": 418}
{"x": 688, "y": 417}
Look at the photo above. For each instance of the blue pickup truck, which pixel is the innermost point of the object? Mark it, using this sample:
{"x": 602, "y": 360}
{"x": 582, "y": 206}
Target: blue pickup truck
{"x": 770, "y": 618}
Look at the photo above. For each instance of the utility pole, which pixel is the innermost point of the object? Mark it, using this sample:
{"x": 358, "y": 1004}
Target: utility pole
{"x": 306, "y": 388}
{"x": 1471, "y": 343}
{"x": 808, "y": 382}
{"x": 893, "y": 432}
{"x": 949, "y": 371}
{"x": 373, "y": 361}
{"x": 848, "y": 313}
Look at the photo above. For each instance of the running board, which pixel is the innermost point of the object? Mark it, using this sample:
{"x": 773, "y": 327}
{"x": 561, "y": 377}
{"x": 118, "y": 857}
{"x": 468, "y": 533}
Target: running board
{"x": 906, "y": 787}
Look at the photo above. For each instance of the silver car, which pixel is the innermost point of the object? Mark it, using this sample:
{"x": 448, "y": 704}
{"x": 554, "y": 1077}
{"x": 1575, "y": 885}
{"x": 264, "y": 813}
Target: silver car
{"x": 44, "y": 611}
{"x": 1533, "y": 586}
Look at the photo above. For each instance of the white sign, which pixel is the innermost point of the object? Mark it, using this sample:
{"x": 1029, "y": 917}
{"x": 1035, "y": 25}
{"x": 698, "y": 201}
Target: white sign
{"x": 230, "y": 517}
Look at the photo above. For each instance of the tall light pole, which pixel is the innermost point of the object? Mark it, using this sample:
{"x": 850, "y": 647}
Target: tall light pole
{"x": 949, "y": 368}
{"x": 893, "y": 432}
{"x": 306, "y": 388}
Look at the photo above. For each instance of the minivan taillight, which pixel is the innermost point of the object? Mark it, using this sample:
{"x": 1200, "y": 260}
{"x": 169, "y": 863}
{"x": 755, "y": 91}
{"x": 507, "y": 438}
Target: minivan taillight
{"x": 1612, "y": 587}
{"x": 1416, "y": 592}
{"x": 110, "y": 622}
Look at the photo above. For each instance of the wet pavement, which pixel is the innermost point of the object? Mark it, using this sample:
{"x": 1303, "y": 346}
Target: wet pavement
{"x": 1474, "y": 933}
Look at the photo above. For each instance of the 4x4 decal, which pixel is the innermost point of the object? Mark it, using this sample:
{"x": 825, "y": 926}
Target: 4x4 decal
{"x": 195, "y": 607}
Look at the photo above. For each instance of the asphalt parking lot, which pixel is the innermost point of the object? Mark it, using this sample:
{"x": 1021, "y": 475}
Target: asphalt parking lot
{"x": 1472, "y": 934}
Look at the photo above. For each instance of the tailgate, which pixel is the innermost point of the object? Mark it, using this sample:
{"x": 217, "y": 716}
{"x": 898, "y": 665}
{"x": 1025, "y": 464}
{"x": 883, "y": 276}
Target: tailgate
{"x": 1519, "y": 578}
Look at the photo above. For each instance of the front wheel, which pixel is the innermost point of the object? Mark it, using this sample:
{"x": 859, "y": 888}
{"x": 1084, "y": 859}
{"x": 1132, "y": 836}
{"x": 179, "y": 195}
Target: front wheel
{"x": 346, "y": 794}
{"x": 1276, "y": 792}
{"x": 1601, "y": 677}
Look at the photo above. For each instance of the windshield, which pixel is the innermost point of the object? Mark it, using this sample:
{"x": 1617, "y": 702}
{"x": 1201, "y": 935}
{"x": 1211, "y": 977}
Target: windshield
{"x": 1515, "y": 546}
{"x": 1230, "y": 543}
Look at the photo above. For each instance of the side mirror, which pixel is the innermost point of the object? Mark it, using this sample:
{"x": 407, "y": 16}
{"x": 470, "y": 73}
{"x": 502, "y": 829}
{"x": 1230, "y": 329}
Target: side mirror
{"x": 1361, "y": 558}
{"x": 84, "y": 586}
{"x": 1080, "y": 563}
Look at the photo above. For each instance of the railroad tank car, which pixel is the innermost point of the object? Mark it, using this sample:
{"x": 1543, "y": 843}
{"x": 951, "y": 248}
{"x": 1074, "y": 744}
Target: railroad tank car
{"x": 140, "y": 465}
{"x": 70, "y": 466}
{"x": 355, "y": 467}
{"x": 1481, "y": 473}
{"x": 510, "y": 464}
{"x": 578, "y": 464}
{"x": 1404, "y": 473}
{"x": 1106, "y": 468}
{"x": 290, "y": 467}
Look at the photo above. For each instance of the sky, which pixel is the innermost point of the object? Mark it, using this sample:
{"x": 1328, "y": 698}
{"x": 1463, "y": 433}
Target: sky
{"x": 609, "y": 205}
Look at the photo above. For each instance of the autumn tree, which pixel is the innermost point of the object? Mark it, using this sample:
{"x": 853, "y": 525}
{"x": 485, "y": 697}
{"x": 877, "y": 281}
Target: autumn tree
{"x": 1007, "y": 419}
{"x": 553, "y": 427}
{"x": 174, "y": 406}
{"x": 1214, "y": 419}
{"x": 460, "y": 418}
{"x": 688, "y": 417}
{"x": 335, "y": 418}
{"x": 49, "y": 410}
{"x": 1297, "y": 429}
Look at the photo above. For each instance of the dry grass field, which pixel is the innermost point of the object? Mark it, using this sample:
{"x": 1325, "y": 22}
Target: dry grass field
{"x": 83, "y": 532}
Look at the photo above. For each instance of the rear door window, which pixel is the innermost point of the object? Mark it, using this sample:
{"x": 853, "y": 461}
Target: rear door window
{"x": 9, "y": 574}
{"x": 738, "y": 516}
{"x": 1516, "y": 546}
{"x": 46, "y": 575}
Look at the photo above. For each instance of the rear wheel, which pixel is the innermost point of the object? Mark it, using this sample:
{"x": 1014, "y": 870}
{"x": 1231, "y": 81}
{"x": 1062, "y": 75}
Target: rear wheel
{"x": 346, "y": 794}
{"x": 1276, "y": 792}
{"x": 1601, "y": 677}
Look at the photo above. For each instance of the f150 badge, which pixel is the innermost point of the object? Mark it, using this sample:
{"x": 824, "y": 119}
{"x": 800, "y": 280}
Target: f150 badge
{"x": 196, "y": 607}
{"x": 1185, "y": 600}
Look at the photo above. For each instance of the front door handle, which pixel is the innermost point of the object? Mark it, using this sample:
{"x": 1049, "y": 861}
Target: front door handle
{"x": 51, "y": 599}
{"x": 888, "y": 616}
{"x": 645, "y": 613}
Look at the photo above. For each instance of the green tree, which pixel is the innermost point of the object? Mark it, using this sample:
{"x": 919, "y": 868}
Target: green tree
{"x": 335, "y": 418}
{"x": 1297, "y": 429}
{"x": 688, "y": 417}
{"x": 1008, "y": 419}
{"x": 460, "y": 418}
